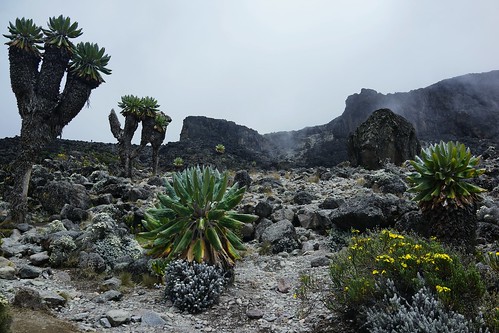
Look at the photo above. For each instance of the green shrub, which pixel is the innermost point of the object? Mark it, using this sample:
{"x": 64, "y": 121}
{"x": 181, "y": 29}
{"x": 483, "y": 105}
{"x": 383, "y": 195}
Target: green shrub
{"x": 378, "y": 256}
{"x": 195, "y": 220}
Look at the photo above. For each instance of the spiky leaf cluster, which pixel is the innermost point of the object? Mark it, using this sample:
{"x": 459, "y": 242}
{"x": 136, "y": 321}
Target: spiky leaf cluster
{"x": 161, "y": 122}
{"x": 150, "y": 106}
{"x": 59, "y": 31}
{"x": 193, "y": 286}
{"x": 195, "y": 220}
{"x": 178, "y": 162}
{"x": 89, "y": 61}
{"x": 139, "y": 107}
{"x": 25, "y": 35}
{"x": 131, "y": 105}
{"x": 220, "y": 148}
{"x": 441, "y": 173}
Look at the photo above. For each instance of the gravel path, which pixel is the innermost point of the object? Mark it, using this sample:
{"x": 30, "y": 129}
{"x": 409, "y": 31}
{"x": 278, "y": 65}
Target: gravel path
{"x": 260, "y": 300}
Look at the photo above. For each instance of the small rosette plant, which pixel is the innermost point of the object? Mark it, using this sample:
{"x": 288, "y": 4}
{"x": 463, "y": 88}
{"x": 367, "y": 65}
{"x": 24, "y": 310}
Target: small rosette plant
{"x": 195, "y": 219}
{"x": 441, "y": 174}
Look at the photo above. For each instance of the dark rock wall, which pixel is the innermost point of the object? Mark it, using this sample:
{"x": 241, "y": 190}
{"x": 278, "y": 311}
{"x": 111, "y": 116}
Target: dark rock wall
{"x": 465, "y": 108}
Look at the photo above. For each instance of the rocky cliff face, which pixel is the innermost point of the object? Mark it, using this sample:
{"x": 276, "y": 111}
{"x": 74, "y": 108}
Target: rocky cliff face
{"x": 464, "y": 108}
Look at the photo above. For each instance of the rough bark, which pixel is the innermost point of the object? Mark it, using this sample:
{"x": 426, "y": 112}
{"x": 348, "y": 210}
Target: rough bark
{"x": 23, "y": 75}
{"x": 453, "y": 226}
{"x": 43, "y": 110}
{"x": 124, "y": 137}
{"x": 54, "y": 65}
{"x": 154, "y": 136}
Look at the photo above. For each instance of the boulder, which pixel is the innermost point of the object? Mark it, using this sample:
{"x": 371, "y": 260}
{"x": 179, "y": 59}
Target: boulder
{"x": 263, "y": 209}
{"x": 28, "y": 298}
{"x": 117, "y": 317}
{"x": 56, "y": 194}
{"x": 242, "y": 178}
{"x": 383, "y": 136}
{"x": 282, "y": 236}
{"x": 369, "y": 212}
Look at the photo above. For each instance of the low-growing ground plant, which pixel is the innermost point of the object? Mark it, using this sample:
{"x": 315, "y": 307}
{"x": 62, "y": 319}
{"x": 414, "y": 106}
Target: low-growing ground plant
{"x": 178, "y": 162}
{"x": 422, "y": 313}
{"x": 220, "y": 148}
{"x": 447, "y": 199}
{"x": 192, "y": 286}
{"x": 195, "y": 220}
{"x": 378, "y": 256}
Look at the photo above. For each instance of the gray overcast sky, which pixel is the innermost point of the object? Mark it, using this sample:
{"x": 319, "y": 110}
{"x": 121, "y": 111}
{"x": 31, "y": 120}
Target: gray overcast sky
{"x": 270, "y": 65}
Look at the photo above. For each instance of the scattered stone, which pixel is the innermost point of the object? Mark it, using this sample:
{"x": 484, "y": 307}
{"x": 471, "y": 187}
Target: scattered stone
{"x": 80, "y": 316}
{"x": 283, "y": 285}
{"x": 117, "y": 317}
{"x": 303, "y": 198}
{"x": 151, "y": 318}
{"x": 39, "y": 259}
{"x": 110, "y": 295}
{"x": 110, "y": 284}
{"x": 242, "y": 178}
{"x": 28, "y": 298}
{"x": 254, "y": 313}
{"x": 104, "y": 322}
{"x": 28, "y": 272}
{"x": 7, "y": 272}
{"x": 53, "y": 299}
{"x": 261, "y": 227}
{"x": 263, "y": 209}
{"x": 320, "y": 261}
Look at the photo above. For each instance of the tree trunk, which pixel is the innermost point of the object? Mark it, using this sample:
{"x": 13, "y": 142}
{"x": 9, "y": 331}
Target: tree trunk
{"x": 40, "y": 126}
{"x": 35, "y": 134}
{"x": 453, "y": 226}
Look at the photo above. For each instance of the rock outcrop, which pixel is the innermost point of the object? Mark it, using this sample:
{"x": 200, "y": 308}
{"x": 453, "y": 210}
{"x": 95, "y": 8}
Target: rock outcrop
{"x": 464, "y": 108}
{"x": 383, "y": 136}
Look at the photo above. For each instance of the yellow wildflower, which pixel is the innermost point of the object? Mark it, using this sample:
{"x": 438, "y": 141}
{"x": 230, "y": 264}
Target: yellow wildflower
{"x": 395, "y": 236}
{"x": 441, "y": 289}
{"x": 443, "y": 256}
{"x": 385, "y": 258}
{"x": 403, "y": 264}
{"x": 408, "y": 256}
{"x": 375, "y": 272}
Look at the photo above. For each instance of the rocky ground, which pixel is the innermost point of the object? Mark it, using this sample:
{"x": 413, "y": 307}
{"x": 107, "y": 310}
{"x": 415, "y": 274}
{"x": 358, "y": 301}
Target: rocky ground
{"x": 83, "y": 216}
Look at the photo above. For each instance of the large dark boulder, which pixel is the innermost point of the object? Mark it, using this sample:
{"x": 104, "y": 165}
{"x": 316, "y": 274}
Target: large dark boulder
{"x": 56, "y": 194}
{"x": 383, "y": 136}
{"x": 370, "y": 212}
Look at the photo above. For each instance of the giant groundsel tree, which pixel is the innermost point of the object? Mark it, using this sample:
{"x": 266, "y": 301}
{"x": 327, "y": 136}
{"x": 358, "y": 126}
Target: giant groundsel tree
{"x": 39, "y": 60}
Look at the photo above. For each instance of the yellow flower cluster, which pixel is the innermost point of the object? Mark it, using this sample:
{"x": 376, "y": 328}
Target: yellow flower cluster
{"x": 392, "y": 235}
{"x": 385, "y": 258}
{"x": 441, "y": 289}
